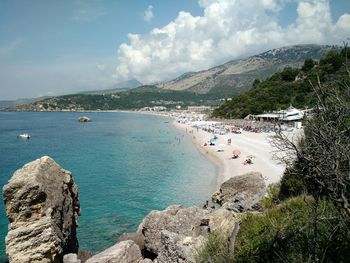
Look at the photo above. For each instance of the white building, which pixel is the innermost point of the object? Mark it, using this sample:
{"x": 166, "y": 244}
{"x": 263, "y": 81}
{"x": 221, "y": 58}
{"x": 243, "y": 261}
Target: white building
{"x": 290, "y": 114}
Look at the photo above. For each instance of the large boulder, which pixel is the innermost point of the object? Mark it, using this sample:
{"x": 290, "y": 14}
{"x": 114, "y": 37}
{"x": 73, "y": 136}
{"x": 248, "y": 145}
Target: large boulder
{"x": 174, "y": 219}
{"x": 241, "y": 193}
{"x": 42, "y": 205}
{"x": 174, "y": 235}
{"x": 123, "y": 252}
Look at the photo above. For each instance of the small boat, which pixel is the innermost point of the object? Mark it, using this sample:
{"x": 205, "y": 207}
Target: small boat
{"x": 24, "y": 136}
{"x": 84, "y": 119}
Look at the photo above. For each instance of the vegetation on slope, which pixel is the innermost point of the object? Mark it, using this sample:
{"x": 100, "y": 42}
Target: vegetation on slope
{"x": 235, "y": 77}
{"x": 146, "y": 96}
{"x": 307, "y": 216}
{"x": 291, "y": 86}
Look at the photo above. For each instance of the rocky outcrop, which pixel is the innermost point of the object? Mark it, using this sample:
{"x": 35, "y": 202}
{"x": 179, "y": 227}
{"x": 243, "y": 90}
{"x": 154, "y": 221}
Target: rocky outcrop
{"x": 173, "y": 235}
{"x": 71, "y": 258}
{"x": 174, "y": 219}
{"x": 241, "y": 193}
{"x": 42, "y": 205}
{"x": 123, "y": 252}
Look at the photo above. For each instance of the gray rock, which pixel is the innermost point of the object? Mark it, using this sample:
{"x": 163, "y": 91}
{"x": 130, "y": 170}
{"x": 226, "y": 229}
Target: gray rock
{"x": 123, "y": 252}
{"x": 176, "y": 233}
{"x": 178, "y": 248}
{"x": 241, "y": 193}
{"x": 174, "y": 219}
{"x": 137, "y": 237}
{"x": 42, "y": 205}
{"x": 71, "y": 258}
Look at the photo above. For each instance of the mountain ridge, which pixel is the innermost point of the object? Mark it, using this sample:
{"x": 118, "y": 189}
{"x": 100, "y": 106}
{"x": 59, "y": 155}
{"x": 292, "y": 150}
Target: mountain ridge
{"x": 209, "y": 87}
{"x": 234, "y": 76}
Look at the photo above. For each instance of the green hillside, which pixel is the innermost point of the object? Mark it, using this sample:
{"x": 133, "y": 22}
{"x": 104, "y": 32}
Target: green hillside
{"x": 145, "y": 96}
{"x": 290, "y": 86}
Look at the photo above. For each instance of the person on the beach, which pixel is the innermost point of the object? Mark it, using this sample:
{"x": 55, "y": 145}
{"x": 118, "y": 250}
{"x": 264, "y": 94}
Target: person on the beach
{"x": 248, "y": 161}
{"x": 206, "y": 204}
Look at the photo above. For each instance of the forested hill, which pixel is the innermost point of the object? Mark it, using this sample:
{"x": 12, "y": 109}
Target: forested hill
{"x": 290, "y": 86}
{"x": 145, "y": 96}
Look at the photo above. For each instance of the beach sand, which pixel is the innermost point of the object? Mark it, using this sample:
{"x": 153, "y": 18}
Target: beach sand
{"x": 249, "y": 143}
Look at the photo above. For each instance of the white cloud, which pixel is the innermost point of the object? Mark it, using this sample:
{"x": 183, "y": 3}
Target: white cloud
{"x": 227, "y": 29}
{"x": 148, "y": 14}
{"x": 9, "y": 48}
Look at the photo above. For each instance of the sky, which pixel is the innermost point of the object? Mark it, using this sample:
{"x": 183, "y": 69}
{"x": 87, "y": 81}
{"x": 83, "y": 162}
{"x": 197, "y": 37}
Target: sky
{"x": 50, "y": 47}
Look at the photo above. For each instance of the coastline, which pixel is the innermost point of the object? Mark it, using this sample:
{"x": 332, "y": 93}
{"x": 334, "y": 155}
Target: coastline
{"x": 209, "y": 156}
{"x": 249, "y": 143}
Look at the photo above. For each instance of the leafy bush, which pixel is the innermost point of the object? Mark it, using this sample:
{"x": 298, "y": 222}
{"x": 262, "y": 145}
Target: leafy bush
{"x": 286, "y": 234}
{"x": 292, "y": 184}
{"x": 272, "y": 198}
{"x": 215, "y": 250}
{"x": 289, "y": 74}
{"x": 308, "y": 64}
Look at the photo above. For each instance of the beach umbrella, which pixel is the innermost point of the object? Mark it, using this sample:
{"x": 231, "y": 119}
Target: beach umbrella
{"x": 213, "y": 140}
{"x": 236, "y": 152}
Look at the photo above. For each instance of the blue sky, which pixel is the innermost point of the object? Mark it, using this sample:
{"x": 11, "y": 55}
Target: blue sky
{"x": 57, "y": 47}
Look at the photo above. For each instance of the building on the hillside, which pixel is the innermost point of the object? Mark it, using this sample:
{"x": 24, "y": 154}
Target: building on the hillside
{"x": 198, "y": 108}
{"x": 289, "y": 115}
{"x": 266, "y": 117}
{"x": 155, "y": 108}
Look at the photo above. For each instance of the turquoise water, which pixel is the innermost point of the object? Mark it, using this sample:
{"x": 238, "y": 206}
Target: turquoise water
{"x": 124, "y": 164}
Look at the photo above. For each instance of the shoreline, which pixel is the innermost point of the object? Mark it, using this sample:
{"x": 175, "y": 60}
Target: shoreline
{"x": 220, "y": 166}
{"x": 249, "y": 143}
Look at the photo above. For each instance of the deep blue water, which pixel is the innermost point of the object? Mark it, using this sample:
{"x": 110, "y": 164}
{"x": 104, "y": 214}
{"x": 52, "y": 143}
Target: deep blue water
{"x": 124, "y": 164}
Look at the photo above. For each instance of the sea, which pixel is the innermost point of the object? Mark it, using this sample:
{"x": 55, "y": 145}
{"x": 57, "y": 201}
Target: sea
{"x": 125, "y": 165}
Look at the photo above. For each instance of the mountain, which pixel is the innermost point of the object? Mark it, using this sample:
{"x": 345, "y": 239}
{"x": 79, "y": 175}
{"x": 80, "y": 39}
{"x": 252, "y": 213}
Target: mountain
{"x": 193, "y": 88}
{"x": 118, "y": 87}
{"x": 236, "y": 76}
{"x": 290, "y": 86}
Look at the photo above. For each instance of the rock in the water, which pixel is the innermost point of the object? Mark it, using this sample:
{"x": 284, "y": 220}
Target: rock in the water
{"x": 42, "y": 205}
{"x": 84, "y": 119}
{"x": 242, "y": 193}
{"x": 123, "y": 252}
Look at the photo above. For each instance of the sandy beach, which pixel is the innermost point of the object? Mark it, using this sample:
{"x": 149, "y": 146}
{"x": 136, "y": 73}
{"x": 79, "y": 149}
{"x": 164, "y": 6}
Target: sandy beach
{"x": 249, "y": 143}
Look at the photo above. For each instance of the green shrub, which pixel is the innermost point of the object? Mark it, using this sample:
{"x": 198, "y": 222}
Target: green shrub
{"x": 292, "y": 183}
{"x": 286, "y": 234}
{"x": 215, "y": 250}
{"x": 272, "y": 198}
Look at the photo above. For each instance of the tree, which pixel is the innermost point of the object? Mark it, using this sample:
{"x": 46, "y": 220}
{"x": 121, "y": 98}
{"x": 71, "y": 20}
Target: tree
{"x": 323, "y": 154}
{"x": 320, "y": 162}
{"x": 333, "y": 59}
{"x": 289, "y": 74}
{"x": 308, "y": 64}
